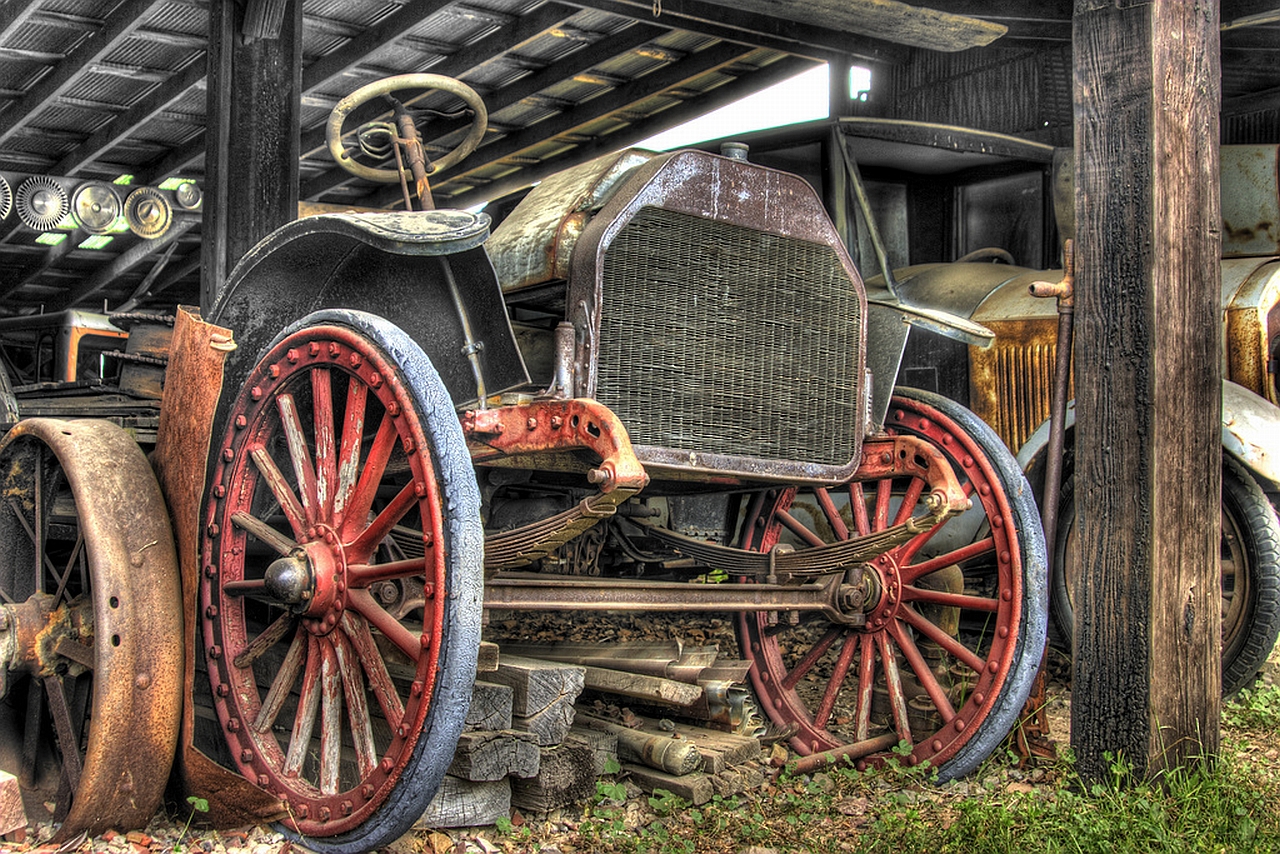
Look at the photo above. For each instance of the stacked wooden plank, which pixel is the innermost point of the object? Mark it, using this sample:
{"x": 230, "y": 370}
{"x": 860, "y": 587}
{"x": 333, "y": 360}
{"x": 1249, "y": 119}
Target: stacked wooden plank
{"x": 547, "y": 722}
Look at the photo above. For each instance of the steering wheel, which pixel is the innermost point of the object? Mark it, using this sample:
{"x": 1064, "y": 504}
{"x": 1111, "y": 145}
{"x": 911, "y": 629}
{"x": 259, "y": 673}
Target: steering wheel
{"x": 333, "y": 131}
{"x": 988, "y": 253}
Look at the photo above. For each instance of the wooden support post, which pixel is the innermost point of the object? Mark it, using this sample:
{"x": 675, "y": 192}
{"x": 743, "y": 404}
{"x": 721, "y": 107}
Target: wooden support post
{"x": 253, "y": 107}
{"x": 1148, "y": 384}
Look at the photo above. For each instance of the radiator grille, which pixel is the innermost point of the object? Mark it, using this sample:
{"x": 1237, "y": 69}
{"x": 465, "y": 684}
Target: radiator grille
{"x": 1023, "y": 389}
{"x": 716, "y": 338}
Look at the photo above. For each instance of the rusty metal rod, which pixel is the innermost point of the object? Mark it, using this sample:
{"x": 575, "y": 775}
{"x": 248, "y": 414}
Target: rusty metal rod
{"x": 857, "y": 750}
{"x": 1064, "y": 291}
{"x": 528, "y": 592}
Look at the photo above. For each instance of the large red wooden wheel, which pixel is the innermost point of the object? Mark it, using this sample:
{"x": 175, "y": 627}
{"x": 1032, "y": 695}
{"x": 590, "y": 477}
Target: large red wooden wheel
{"x": 341, "y": 589}
{"x": 955, "y": 626}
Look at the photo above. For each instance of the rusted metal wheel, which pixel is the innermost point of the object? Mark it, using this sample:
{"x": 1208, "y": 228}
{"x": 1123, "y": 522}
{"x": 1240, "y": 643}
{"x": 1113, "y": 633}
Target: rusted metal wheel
{"x": 955, "y": 623}
{"x": 341, "y": 589}
{"x": 90, "y": 627}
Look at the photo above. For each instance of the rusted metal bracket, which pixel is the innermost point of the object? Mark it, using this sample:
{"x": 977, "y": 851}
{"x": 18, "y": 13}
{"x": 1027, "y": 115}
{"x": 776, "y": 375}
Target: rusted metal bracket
{"x": 908, "y": 456}
{"x": 549, "y": 426}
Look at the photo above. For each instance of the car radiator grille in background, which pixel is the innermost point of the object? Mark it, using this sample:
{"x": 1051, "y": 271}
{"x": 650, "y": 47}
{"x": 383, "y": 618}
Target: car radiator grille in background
{"x": 717, "y": 338}
{"x": 1018, "y": 399}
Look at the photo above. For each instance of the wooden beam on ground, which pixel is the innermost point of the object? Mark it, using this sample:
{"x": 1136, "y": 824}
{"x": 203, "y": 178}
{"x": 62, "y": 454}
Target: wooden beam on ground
{"x": 1146, "y": 679}
{"x": 251, "y": 161}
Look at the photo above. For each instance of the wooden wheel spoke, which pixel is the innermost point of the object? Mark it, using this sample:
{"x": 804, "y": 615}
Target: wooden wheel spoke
{"x": 265, "y": 534}
{"x": 858, "y": 501}
{"x": 924, "y": 675}
{"x": 958, "y": 600}
{"x": 866, "y": 686}
{"x": 909, "y": 551}
{"x": 375, "y": 465}
{"x": 378, "y": 617}
{"x": 884, "y": 492}
{"x": 364, "y": 574}
{"x": 818, "y": 650}
{"x": 834, "y": 684}
{"x": 300, "y": 456}
{"x": 357, "y": 705}
{"x": 909, "y": 500}
{"x": 798, "y": 528}
{"x": 384, "y": 690}
{"x": 838, "y": 527}
{"x": 308, "y": 705}
{"x": 330, "y": 719}
{"x": 326, "y": 441}
{"x": 282, "y": 682}
{"x": 893, "y": 682}
{"x": 270, "y": 636}
{"x": 349, "y": 457}
{"x": 952, "y": 646}
{"x": 914, "y": 572}
{"x": 380, "y": 528}
{"x": 280, "y": 489}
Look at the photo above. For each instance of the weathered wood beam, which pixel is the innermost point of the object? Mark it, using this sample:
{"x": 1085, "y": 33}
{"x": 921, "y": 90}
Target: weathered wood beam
{"x": 355, "y": 51}
{"x": 527, "y": 86}
{"x": 251, "y": 162}
{"x": 890, "y": 20}
{"x": 1146, "y": 680}
{"x": 637, "y": 132}
{"x": 736, "y": 25}
{"x": 581, "y": 115}
{"x": 455, "y": 65}
{"x": 121, "y": 23}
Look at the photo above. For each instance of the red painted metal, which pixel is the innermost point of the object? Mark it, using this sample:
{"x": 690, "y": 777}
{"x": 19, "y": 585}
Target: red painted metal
{"x": 828, "y": 692}
{"x": 324, "y": 448}
{"x": 544, "y": 426}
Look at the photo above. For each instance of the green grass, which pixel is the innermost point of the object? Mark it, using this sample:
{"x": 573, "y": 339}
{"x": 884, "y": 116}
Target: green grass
{"x": 1231, "y": 805}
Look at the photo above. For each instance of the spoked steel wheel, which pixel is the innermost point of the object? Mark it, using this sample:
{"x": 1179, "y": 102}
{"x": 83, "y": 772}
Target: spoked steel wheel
{"x": 955, "y": 623}
{"x": 341, "y": 590}
{"x": 90, "y": 625}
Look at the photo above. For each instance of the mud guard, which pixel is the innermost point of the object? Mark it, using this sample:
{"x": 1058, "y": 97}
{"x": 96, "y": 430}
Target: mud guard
{"x": 1250, "y": 425}
{"x": 401, "y": 266}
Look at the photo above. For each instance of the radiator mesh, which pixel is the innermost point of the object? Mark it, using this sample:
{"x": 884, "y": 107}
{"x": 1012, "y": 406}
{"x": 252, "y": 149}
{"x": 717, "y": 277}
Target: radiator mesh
{"x": 716, "y": 338}
{"x": 1024, "y": 389}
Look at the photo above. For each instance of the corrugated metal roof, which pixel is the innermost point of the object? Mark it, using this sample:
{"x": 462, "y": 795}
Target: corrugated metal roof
{"x": 103, "y": 88}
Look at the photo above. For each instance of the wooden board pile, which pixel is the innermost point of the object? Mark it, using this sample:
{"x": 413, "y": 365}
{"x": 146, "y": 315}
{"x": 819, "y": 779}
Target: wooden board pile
{"x": 547, "y": 721}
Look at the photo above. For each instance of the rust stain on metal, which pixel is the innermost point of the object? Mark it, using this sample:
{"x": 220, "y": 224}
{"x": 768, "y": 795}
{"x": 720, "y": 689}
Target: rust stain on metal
{"x": 192, "y": 388}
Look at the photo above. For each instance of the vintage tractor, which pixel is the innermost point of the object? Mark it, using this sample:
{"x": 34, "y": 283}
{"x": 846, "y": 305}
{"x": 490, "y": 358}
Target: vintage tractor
{"x": 659, "y": 386}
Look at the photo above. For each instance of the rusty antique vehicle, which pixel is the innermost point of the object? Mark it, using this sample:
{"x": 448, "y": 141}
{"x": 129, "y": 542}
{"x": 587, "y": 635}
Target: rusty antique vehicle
{"x": 991, "y": 200}
{"x": 658, "y": 386}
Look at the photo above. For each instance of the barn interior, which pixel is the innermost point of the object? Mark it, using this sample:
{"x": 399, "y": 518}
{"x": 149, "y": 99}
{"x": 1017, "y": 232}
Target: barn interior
{"x": 148, "y": 146}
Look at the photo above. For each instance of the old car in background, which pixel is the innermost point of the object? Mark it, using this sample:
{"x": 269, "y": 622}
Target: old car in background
{"x": 967, "y": 221}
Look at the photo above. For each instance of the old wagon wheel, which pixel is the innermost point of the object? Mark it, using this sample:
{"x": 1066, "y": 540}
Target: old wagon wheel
{"x": 953, "y": 638}
{"x": 91, "y": 624}
{"x": 1249, "y": 564}
{"x": 341, "y": 589}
